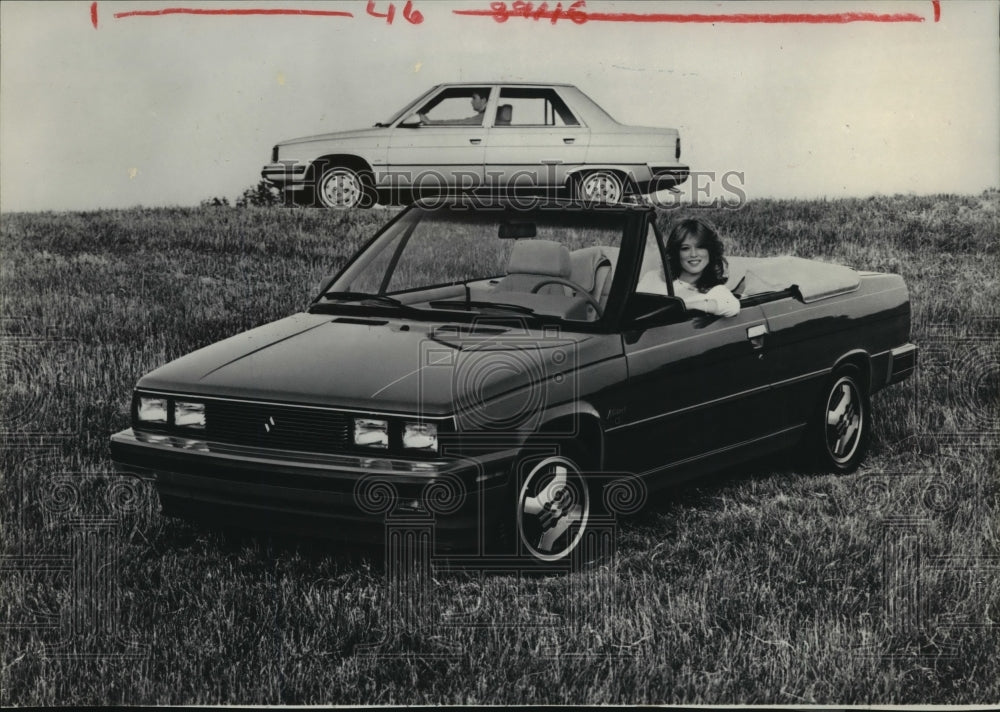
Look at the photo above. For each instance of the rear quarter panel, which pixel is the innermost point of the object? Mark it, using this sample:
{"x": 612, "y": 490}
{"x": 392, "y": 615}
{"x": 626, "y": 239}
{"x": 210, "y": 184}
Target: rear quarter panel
{"x": 806, "y": 342}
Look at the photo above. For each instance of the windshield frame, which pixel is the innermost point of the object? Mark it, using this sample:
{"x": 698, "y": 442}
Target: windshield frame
{"x": 635, "y": 222}
{"x": 409, "y": 108}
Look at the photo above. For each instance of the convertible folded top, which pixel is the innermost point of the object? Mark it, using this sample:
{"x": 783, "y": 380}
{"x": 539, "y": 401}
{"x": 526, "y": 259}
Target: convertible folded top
{"x": 749, "y": 276}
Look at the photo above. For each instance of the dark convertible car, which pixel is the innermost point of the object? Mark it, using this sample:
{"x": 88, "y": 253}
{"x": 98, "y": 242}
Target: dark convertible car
{"x": 492, "y": 368}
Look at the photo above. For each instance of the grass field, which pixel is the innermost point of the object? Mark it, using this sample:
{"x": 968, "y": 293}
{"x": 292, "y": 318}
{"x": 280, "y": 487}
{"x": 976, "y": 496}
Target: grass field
{"x": 765, "y": 586}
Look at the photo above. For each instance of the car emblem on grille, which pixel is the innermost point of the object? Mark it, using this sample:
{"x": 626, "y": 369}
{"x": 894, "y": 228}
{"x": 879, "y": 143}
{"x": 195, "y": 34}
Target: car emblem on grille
{"x": 269, "y": 424}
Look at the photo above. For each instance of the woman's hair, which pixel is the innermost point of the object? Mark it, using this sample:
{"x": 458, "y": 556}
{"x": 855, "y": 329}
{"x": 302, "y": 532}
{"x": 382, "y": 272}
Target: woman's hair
{"x": 706, "y": 237}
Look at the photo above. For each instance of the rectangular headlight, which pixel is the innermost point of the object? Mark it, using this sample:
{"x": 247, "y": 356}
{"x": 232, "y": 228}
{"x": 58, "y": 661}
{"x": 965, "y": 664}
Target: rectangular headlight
{"x": 189, "y": 415}
{"x": 152, "y": 410}
{"x": 420, "y": 436}
{"x": 371, "y": 432}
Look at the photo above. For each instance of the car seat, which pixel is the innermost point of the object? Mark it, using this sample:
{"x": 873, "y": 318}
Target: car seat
{"x": 504, "y": 114}
{"x": 533, "y": 262}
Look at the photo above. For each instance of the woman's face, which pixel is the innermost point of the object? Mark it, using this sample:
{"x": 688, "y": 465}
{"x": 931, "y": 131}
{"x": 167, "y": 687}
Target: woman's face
{"x": 693, "y": 259}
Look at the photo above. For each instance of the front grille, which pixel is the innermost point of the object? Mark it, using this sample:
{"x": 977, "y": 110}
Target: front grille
{"x": 277, "y": 426}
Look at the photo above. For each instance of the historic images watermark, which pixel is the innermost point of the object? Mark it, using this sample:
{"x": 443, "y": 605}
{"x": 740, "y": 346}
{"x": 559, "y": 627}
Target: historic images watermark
{"x": 957, "y": 414}
{"x": 78, "y": 613}
{"x": 513, "y": 492}
{"x": 526, "y": 188}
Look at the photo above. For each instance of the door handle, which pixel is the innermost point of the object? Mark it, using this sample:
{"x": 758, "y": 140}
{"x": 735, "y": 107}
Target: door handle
{"x": 569, "y": 140}
{"x": 755, "y": 334}
{"x": 475, "y": 141}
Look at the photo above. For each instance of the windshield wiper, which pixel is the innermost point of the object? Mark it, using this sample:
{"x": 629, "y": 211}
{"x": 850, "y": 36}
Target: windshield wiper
{"x": 374, "y": 300}
{"x": 469, "y": 305}
{"x": 363, "y": 297}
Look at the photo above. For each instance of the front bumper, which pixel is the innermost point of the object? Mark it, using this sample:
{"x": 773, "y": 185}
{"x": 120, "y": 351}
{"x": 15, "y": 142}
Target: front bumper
{"x": 345, "y": 497}
{"x": 288, "y": 175}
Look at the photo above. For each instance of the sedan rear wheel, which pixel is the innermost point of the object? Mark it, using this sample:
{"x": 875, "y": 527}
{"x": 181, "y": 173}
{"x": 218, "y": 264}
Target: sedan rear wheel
{"x": 601, "y": 187}
{"x": 340, "y": 187}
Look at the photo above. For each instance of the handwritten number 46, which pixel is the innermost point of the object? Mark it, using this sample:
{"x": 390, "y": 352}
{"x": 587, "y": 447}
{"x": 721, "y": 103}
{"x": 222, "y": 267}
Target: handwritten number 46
{"x": 414, "y": 17}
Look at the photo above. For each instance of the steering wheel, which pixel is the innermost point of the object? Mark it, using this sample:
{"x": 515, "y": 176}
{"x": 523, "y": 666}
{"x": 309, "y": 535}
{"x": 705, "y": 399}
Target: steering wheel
{"x": 580, "y": 291}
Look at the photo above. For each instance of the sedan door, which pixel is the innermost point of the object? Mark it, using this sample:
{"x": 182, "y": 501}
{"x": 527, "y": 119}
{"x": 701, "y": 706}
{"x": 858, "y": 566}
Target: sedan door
{"x": 448, "y": 151}
{"x": 536, "y": 139}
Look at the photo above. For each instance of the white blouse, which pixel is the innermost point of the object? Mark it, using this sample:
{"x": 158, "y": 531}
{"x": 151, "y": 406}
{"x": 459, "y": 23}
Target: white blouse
{"x": 717, "y": 300}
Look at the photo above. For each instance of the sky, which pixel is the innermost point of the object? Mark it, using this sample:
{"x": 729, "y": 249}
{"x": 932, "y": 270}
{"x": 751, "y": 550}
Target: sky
{"x": 174, "y": 109}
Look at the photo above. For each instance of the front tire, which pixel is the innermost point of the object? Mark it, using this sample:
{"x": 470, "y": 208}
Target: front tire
{"x": 842, "y": 430}
{"x": 341, "y": 188}
{"x": 553, "y": 505}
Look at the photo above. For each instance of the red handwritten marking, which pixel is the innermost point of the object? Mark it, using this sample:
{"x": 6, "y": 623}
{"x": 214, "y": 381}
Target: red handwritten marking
{"x": 240, "y": 11}
{"x": 414, "y": 17}
{"x": 937, "y": 10}
{"x": 93, "y": 14}
{"x": 576, "y": 13}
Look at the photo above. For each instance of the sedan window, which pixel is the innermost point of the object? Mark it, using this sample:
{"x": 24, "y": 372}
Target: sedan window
{"x": 533, "y": 107}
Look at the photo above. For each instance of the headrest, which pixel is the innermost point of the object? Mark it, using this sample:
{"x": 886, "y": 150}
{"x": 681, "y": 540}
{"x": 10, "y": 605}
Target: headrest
{"x": 543, "y": 257}
{"x": 504, "y": 113}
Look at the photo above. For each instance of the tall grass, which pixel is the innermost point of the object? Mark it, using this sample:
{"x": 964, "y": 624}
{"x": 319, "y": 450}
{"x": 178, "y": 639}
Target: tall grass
{"x": 761, "y": 585}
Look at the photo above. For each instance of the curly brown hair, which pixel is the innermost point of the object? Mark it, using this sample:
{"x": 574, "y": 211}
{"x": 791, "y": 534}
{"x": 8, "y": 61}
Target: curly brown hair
{"x": 706, "y": 237}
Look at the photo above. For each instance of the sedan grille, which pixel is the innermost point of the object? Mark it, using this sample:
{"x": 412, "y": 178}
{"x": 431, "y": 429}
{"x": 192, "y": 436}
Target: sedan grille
{"x": 277, "y": 426}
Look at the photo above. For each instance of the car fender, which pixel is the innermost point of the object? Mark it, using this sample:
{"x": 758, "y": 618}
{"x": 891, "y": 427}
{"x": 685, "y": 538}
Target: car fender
{"x": 579, "y": 420}
{"x": 860, "y": 358}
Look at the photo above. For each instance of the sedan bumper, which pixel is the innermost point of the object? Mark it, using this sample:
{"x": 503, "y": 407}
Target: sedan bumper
{"x": 288, "y": 175}
{"x": 342, "y": 497}
{"x": 666, "y": 177}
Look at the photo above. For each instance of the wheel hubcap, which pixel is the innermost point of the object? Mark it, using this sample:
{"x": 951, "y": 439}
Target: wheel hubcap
{"x": 552, "y": 509}
{"x": 341, "y": 189}
{"x": 602, "y": 188}
{"x": 843, "y": 421}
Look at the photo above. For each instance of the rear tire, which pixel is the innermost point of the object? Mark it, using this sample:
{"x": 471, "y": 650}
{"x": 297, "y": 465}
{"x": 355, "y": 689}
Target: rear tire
{"x": 600, "y": 188}
{"x": 842, "y": 427}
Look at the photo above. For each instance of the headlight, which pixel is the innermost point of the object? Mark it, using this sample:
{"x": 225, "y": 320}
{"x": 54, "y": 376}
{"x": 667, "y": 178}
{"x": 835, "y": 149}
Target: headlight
{"x": 420, "y": 436}
{"x": 370, "y": 432}
{"x": 189, "y": 415}
{"x": 152, "y": 410}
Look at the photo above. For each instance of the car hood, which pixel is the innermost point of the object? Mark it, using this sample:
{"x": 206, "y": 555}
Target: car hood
{"x": 354, "y": 134}
{"x": 381, "y": 364}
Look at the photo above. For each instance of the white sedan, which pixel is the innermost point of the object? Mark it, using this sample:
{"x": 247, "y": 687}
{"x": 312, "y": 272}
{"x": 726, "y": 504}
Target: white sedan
{"x": 489, "y": 137}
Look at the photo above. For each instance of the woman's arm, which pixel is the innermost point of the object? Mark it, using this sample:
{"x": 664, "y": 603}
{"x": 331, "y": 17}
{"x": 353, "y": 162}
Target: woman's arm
{"x": 723, "y": 301}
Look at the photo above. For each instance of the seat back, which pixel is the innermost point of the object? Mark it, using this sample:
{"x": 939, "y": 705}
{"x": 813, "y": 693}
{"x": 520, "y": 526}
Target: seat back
{"x": 504, "y": 114}
{"x": 593, "y": 269}
{"x": 532, "y": 262}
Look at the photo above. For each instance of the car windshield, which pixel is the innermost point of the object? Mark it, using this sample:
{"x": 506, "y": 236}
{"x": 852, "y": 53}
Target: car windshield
{"x": 548, "y": 263}
{"x": 408, "y": 109}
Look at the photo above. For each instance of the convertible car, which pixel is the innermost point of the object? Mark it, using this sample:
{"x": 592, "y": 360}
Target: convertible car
{"x": 495, "y": 370}
{"x": 488, "y": 137}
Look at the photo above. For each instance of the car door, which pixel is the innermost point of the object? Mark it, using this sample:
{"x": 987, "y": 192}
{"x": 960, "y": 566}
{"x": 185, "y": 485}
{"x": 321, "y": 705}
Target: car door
{"x": 449, "y": 152}
{"x": 698, "y": 385}
{"x": 536, "y": 139}
{"x": 696, "y": 388}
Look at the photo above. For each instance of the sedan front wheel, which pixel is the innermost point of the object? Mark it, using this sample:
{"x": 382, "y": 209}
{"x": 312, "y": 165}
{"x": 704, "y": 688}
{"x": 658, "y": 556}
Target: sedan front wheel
{"x": 340, "y": 187}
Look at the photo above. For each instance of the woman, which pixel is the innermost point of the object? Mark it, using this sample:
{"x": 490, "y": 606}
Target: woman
{"x": 694, "y": 253}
